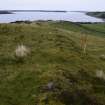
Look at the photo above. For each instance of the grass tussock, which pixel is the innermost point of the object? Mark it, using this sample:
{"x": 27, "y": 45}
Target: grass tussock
{"x": 21, "y": 52}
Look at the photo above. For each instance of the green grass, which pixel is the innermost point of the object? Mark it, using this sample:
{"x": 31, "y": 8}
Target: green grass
{"x": 99, "y": 28}
{"x": 55, "y": 57}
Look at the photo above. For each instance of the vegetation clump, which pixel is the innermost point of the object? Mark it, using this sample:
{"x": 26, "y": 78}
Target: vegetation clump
{"x": 21, "y": 52}
{"x": 102, "y": 57}
{"x": 100, "y": 74}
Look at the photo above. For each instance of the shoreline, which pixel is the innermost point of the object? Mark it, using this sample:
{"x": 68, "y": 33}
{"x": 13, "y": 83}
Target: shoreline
{"x": 28, "y": 21}
{"x": 12, "y": 11}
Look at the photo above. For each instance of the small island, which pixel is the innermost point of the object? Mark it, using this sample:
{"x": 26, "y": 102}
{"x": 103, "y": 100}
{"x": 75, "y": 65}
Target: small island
{"x": 5, "y": 12}
{"x": 97, "y": 14}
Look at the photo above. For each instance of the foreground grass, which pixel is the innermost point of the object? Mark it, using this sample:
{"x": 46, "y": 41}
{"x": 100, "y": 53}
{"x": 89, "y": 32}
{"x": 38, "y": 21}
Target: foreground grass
{"x": 57, "y": 60}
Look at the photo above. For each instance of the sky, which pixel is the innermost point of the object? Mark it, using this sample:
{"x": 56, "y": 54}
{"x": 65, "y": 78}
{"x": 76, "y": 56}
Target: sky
{"x": 71, "y": 5}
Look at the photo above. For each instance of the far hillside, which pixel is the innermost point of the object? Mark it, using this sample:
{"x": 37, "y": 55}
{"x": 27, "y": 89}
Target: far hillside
{"x": 97, "y": 14}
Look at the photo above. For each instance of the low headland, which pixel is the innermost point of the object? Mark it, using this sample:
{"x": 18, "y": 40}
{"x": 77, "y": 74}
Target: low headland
{"x": 97, "y": 14}
{"x": 5, "y": 12}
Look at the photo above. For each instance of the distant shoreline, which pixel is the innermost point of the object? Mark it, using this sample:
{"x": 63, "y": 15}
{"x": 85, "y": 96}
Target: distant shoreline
{"x": 5, "y": 12}
{"x": 12, "y": 11}
{"x": 29, "y": 22}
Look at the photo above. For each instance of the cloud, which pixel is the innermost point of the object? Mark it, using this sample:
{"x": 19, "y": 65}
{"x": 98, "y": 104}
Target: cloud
{"x": 53, "y": 4}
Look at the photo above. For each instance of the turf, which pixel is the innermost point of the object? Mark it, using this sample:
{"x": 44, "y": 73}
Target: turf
{"x": 56, "y": 58}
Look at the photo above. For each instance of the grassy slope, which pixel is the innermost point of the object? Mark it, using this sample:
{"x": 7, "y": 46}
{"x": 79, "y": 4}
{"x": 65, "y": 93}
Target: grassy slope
{"x": 96, "y": 27}
{"x": 55, "y": 57}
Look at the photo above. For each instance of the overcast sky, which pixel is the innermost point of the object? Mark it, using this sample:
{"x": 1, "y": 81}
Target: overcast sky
{"x": 96, "y": 5}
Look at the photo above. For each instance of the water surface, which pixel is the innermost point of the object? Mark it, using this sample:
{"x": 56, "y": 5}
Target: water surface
{"x": 67, "y": 16}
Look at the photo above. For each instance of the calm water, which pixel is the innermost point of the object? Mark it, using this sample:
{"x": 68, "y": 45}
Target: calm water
{"x": 67, "y": 16}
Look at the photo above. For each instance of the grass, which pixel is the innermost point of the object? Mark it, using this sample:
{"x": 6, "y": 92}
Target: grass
{"x": 56, "y": 57}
